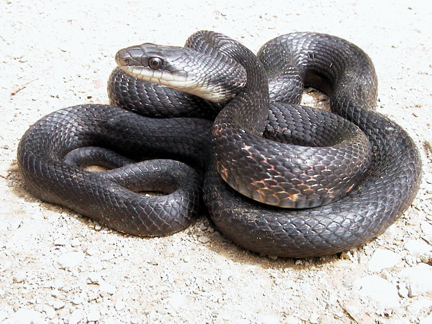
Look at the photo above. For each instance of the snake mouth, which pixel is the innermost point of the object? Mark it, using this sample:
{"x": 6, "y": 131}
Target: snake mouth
{"x": 178, "y": 82}
{"x": 161, "y": 77}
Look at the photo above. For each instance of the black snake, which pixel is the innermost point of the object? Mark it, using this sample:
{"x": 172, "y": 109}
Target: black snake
{"x": 364, "y": 180}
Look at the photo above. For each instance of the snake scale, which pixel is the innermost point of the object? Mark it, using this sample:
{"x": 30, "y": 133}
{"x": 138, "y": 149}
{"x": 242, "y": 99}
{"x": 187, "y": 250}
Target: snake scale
{"x": 212, "y": 121}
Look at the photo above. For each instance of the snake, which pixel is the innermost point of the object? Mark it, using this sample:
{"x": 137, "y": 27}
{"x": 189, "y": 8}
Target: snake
{"x": 212, "y": 127}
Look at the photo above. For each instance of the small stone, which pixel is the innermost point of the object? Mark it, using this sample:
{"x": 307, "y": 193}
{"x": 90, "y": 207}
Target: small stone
{"x": 58, "y": 304}
{"x": 93, "y": 315}
{"x": 94, "y": 278}
{"x": 383, "y": 259}
{"x": 92, "y": 295}
{"x": 426, "y": 228}
{"x": 49, "y": 311}
{"x": 97, "y": 268}
{"x": 71, "y": 259}
{"x": 107, "y": 256}
{"x": 76, "y": 317}
{"x": 403, "y": 290}
{"x": 6, "y": 265}
{"x": 120, "y": 305}
{"x": 418, "y": 248}
{"x": 97, "y": 226}
{"x": 426, "y": 320}
{"x": 299, "y": 263}
{"x": 293, "y": 320}
{"x": 55, "y": 293}
{"x": 108, "y": 288}
{"x": 269, "y": 319}
{"x": 61, "y": 241}
{"x": 25, "y": 316}
{"x": 58, "y": 284}
{"x": 420, "y": 305}
{"x": 77, "y": 300}
{"x": 3, "y": 315}
{"x": 353, "y": 312}
{"x": 92, "y": 251}
{"x": 176, "y": 300}
{"x": 314, "y": 318}
{"x": 110, "y": 320}
{"x": 418, "y": 278}
{"x": 203, "y": 239}
{"x": 20, "y": 277}
{"x": 378, "y": 289}
{"x": 75, "y": 242}
{"x": 351, "y": 255}
{"x": 15, "y": 224}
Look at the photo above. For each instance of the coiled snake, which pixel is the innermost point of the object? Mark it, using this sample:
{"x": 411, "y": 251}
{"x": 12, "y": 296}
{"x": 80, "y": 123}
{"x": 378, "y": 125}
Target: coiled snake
{"x": 346, "y": 178}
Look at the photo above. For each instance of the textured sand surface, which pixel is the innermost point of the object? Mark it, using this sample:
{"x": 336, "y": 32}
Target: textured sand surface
{"x": 59, "y": 267}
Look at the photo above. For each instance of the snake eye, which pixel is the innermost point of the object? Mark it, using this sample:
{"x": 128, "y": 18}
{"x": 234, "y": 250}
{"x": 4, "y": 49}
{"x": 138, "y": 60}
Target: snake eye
{"x": 154, "y": 63}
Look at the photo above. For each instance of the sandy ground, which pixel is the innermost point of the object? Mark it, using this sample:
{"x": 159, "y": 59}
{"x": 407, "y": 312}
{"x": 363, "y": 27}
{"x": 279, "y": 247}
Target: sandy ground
{"x": 59, "y": 267}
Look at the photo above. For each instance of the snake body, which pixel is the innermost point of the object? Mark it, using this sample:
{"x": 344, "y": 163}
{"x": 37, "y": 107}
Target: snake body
{"x": 248, "y": 182}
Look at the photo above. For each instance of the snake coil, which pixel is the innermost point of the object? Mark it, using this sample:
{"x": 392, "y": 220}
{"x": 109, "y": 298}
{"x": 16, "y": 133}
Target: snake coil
{"x": 254, "y": 156}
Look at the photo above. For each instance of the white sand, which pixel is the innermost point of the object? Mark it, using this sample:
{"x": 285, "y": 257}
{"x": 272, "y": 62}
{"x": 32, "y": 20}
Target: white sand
{"x": 58, "y": 267}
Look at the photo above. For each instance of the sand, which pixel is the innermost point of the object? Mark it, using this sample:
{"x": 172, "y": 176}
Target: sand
{"x": 59, "y": 267}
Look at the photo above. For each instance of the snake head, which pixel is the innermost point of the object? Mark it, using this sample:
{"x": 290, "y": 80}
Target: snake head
{"x": 213, "y": 77}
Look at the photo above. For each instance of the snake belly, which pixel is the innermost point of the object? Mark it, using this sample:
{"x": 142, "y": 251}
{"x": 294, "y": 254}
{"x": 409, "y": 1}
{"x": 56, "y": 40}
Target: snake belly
{"x": 383, "y": 192}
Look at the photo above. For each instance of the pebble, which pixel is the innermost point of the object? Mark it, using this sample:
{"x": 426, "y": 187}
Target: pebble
{"x": 77, "y": 300}
{"x": 293, "y": 320}
{"x": 314, "y": 318}
{"x": 97, "y": 226}
{"x": 426, "y": 228}
{"x": 353, "y": 312}
{"x": 20, "y": 277}
{"x": 378, "y": 289}
{"x": 75, "y": 242}
{"x": 94, "y": 278}
{"x": 61, "y": 241}
{"x": 176, "y": 300}
{"x": 58, "y": 305}
{"x": 418, "y": 278}
{"x": 269, "y": 319}
{"x": 383, "y": 259}
{"x": 426, "y": 320}
{"x": 92, "y": 251}
{"x": 3, "y": 315}
{"x": 120, "y": 305}
{"x": 76, "y": 317}
{"x": 49, "y": 311}
{"x": 420, "y": 305}
{"x": 70, "y": 259}
{"x": 418, "y": 248}
{"x": 93, "y": 315}
{"x": 25, "y": 316}
{"x": 108, "y": 288}
{"x": 203, "y": 239}
{"x": 403, "y": 290}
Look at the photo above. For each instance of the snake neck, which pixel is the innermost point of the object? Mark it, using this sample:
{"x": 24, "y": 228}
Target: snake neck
{"x": 248, "y": 110}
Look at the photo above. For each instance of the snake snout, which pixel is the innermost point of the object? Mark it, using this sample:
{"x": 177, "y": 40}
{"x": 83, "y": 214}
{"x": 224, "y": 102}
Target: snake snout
{"x": 134, "y": 56}
{"x": 122, "y": 58}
